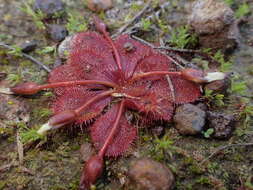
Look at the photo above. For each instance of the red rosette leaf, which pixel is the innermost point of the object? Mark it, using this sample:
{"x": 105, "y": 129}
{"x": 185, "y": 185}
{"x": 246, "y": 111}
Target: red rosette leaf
{"x": 123, "y": 138}
{"x": 75, "y": 97}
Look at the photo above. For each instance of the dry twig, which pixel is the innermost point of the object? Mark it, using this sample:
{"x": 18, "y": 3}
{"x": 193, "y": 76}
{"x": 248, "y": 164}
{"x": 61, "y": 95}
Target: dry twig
{"x": 20, "y": 150}
{"x": 221, "y": 148}
{"x": 28, "y": 57}
{"x": 138, "y": 15}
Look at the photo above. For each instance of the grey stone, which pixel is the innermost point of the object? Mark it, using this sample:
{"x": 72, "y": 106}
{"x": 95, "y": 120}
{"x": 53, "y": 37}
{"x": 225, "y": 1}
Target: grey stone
{"x": 189, "y": 119}
{"x": 57, "y": 32}
{"x": 49, "y": 7}
{"x": 65, "y": 47}
{"x": 28, "y": 46}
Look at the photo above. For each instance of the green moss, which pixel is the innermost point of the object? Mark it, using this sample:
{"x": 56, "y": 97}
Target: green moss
{"x": 41, "y": 113}
{"x": 225, "y": 65}
{"x": 181, "y": 37}
{"x": 37, "y": 16}
{"x": 76, "y": 23}
{"x": 30, "y": 135}
{"x": 14, "y": 78}
{"x": 243, "y": 10}
{"x": 2, "y": 184}
{"x": 145, "y": 23}
{"x": 203, "y": 181}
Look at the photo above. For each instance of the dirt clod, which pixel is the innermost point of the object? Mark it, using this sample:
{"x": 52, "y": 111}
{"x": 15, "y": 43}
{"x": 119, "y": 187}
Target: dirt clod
{"x": 214, "y": 23}
{"x": 149, "y": 174}
{"x": 223, "y": 124}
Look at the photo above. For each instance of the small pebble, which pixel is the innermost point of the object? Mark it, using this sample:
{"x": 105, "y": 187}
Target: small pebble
{"x": 65, "y": 47}
{"x": 28, "y": 46}
{"x": 147, "y": 174}
{"x": 189, "y": 119}
{"x": 223, "y": 124}
{"x": 57, "y": 32}
{"x": 99, "y": 5}
{"x": 49, "y": 7}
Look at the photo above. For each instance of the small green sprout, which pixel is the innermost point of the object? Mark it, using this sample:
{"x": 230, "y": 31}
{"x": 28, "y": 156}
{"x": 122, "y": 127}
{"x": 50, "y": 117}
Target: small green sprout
{"x": 14, "y": 78}
{"x": 238, "y": 86}
{"x": 216, "y": 98}
{"x": 225, "y": 66}
{"x": 47, "y": 49}
{"x": 16, "y": 51}
{"x": 145, "y": 23}
{"x": 208, "y": 133}
{"x": 30, "y": 135}
{"x": 181, "y": 37}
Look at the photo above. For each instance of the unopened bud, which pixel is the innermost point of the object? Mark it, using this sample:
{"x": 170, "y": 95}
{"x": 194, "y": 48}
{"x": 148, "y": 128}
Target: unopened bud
{"x": 62, "y": 118}
{"x": 193, "y": 75}
{"x": 91, "y": 172}
{"x": 27, "y": 88}
{"x": 57, "y": 121}
{"x": 99, "y": 24}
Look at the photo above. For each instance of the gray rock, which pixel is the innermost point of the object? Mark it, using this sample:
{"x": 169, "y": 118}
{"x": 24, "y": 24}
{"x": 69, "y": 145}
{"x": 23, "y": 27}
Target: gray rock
{"x": 214, "y": 23}
{"x": 49, "y": 7}
{"x": 28, "y": 46}
{"x": 149, "y": 174}
{"x": 65, "y": 47}
{"x": 223, "y": 124}
{"x": 57, "y": 32}
{"x": 189, "y": 119}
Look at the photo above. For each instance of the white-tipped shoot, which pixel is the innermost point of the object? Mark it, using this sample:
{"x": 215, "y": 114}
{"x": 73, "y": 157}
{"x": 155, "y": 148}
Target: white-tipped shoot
{"x": 6, "y": 91}
{"x": 44, "y": 128}
{"x": 213, "y": 76}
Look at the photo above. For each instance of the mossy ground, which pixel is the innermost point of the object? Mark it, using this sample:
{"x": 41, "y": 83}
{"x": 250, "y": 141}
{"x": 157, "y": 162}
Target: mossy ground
{"x": 54, "y": 163}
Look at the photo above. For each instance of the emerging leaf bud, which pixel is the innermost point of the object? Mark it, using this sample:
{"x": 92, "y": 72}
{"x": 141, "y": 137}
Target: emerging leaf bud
{"x": 92, "y": 170}
{"x": 100, "y": 26}
{"x": 27, "y": 88}
{"x": 214, "y": 76}
{"x": 198, "y": 76}
{"x": 58, "y": 120}
{"x": 63, "y": 118}
{"x": 193, "y": 75}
